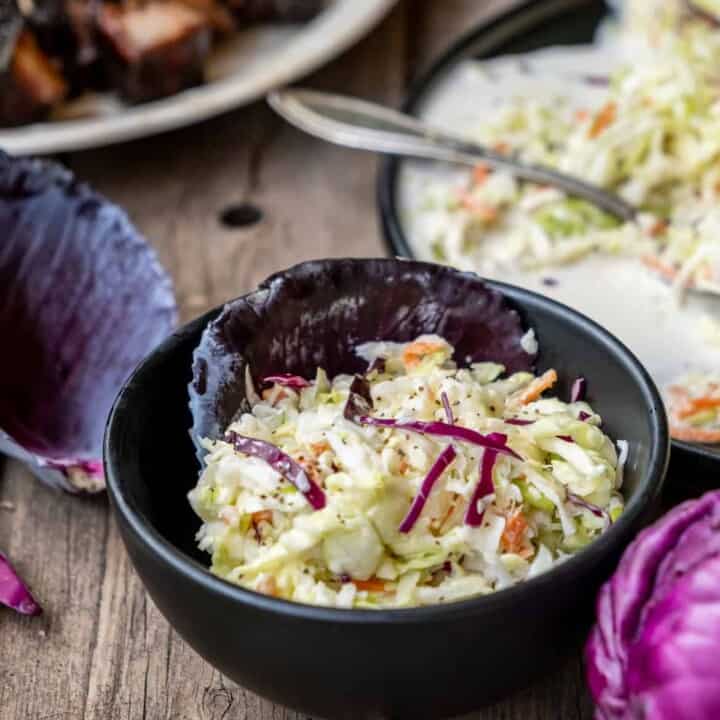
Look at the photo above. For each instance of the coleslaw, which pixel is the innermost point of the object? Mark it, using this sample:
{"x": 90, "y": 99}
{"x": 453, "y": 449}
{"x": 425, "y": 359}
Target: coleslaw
{"x": 694, "y": 408}
{"x": 419, "y": 482}
{"x": 653, "y": 136}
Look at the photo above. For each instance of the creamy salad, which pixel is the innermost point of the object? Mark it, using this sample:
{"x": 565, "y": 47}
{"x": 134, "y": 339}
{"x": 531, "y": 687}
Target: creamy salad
{"x": 652, "y": 136}
{"x": 649, "y": 131}
{"x": 416, "y": 483}
{"x": 694, "y": 408}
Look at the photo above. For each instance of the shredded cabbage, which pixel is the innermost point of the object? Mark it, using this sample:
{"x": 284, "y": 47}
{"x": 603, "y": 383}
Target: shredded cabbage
{"x": 652, "y": 136}
{"x": 694, "y": 407}
{"x": 408, "y": 519}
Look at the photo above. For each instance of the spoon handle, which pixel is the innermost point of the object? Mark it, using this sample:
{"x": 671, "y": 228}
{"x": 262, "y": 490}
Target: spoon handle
{"x": 367, "y": 126}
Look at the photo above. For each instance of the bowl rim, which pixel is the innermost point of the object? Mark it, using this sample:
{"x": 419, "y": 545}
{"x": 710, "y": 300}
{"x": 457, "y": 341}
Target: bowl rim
{"x": 527, "y": 14}
{"x": 195, "y": 572}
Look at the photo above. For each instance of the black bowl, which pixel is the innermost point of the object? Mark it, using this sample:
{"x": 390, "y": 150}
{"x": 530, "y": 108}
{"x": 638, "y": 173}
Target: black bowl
{"x": 427, "y": 662}
{"x": 531, "y": 25}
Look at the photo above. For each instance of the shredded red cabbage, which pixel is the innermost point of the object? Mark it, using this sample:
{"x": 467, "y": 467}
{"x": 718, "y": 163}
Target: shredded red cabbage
{"x": 13, "y": 591}
{"x": 518, "y": 421}
{"x": 594, "y": 509}
{"x": 566, "y": 438}
{"x": 281, "y": 463}
{"x": 287, "y": 380}
{"x": 448, "y": 409}
{"x": 484, "y": 487}
{"x": 418, "y": 503}
{"x": 494, "y": 441}
{"x": 583, "y": 416}
{"x": 578, "y": 390}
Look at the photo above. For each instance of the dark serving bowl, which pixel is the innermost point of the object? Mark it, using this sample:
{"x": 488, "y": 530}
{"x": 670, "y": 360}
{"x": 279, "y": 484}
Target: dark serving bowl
{"x": 532, "y": 25}
{"x": 429, "y": 662}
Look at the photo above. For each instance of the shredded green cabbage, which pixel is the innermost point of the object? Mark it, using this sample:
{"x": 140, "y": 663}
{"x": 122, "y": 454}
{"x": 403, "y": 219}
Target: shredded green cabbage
{"x": 264, "y": 535}
{"x": 653, "y": 136}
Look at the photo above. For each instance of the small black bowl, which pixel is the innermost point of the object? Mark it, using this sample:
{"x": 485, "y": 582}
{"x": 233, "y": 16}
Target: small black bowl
{"x": 529, "y": 26}
{"x": 429, "y": 662}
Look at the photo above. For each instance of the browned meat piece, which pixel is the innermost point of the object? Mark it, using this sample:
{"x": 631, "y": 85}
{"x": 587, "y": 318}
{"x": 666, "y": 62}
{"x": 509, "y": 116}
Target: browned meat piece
{"x": 65, "y": 30}
{"x": 154, "y": 50}
{"x": 30, "y": 85}
{"x": 249, "y": 11}
{"x": 219, "y": 16}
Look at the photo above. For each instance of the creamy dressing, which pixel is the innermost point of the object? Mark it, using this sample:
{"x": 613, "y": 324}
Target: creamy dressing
{"x": 669, "y": 338}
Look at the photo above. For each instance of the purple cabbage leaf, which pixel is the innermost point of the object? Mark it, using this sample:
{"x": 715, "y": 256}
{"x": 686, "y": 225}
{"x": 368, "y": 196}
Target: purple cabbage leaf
{"x": 13, "y": 591}
{"x": 443, "y": 460}
{"x": 83, "y": 299}
{"x": 484, "y": 487}
{"x": 654, "y": 650}
{"x": 282, "y": 463}
{"x": 315, "y": 314}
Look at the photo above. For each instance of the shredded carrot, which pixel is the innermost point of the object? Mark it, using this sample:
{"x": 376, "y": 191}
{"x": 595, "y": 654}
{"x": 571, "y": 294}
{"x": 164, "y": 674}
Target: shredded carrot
{"x": 514, "y": 537}
{"x": 603, "y": 119}
{"x": 268, "y": 586}
{"x": 693, "y": 434}
{"x": 319, "y": 448}
{"x": 581, "y": 115}
{"x": 501, "y": 147}
{"x": 261, "y": 516}
{"x": 483, "y": 211}
{"x": 404, "y": 466}
{"x": 371, "y": 585}
{"x": 695, "y": 405}
{"x": 537, "y": 387}
{"x": 658, "y": 228}
{"x": 439, "y": 526}
{"x": 668, "y": 272}
{"x": 414, "y": 353}
{"x": 481, "y": 173}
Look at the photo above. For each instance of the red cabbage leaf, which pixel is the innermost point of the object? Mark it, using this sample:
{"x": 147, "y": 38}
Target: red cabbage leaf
{"x": 317, "y": 313}
{"x": 484, "y": 487}
{"x": 13, "y": 591}
{"x": 286, "y": 380}
{"x": 83, "y": 299}
{"x": 578, "y": 390}
{"x": 654, "y": 650}
{"x": 291, "y": 470}
{"x": 495, "y": 441}
{"x": 418, "y": 503}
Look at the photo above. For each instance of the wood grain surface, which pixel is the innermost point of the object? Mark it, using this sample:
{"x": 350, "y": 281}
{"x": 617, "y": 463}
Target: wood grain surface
{"x": 102, "y": 651}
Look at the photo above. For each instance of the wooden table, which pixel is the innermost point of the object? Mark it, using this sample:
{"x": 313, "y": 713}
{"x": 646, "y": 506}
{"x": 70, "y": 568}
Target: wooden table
{"x": 102, "y": 651}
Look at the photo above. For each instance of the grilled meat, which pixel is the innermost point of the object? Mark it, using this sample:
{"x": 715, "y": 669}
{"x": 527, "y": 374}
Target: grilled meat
{"x": 144, "y": 49}
{"x": 154, "y": 50}
{"x": 31, "y": 84}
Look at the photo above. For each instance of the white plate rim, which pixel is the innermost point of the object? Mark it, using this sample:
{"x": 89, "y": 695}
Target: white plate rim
{"x": 341, "y": 25}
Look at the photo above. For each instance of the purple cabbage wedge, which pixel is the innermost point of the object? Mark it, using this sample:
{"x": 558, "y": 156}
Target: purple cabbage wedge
{"x": 654, "y": 651}
{"x": 83, "y": 299}
{"x": 316, "y": 314}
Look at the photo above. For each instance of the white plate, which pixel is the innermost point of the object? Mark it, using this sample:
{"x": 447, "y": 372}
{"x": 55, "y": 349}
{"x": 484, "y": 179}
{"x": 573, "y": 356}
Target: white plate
{"x": 240, "y": 70}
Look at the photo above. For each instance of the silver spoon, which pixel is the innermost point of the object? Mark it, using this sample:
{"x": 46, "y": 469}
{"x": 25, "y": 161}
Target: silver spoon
{"x": 368, "y": 126}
